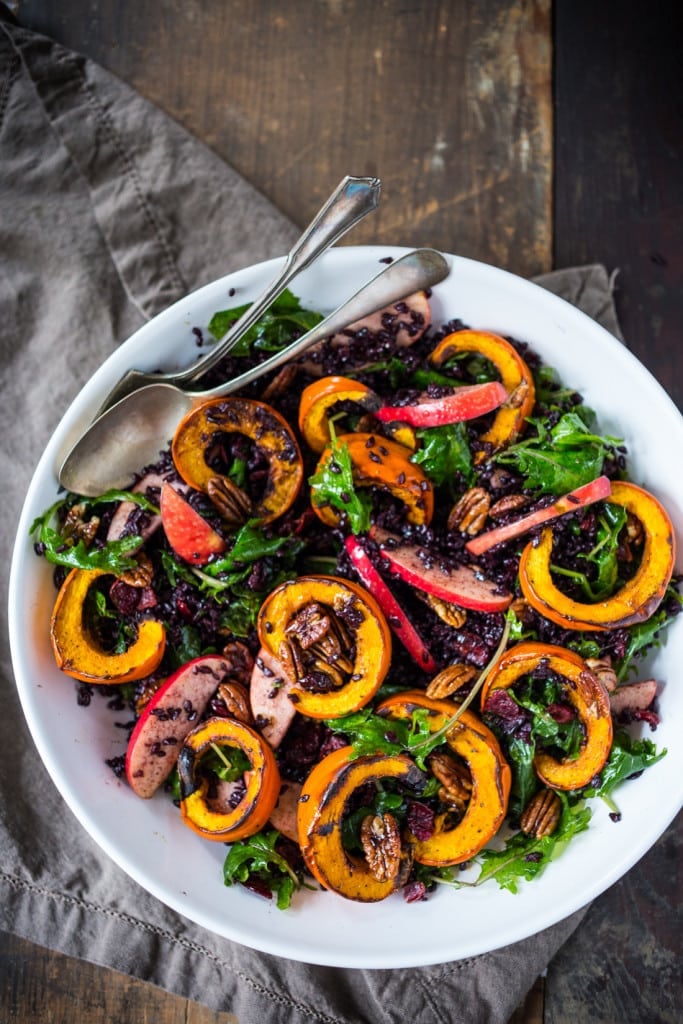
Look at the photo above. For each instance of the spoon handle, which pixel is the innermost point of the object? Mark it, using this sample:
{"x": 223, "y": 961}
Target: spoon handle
{"x": 352, "y": 200}
{"x": 419, "y": 269}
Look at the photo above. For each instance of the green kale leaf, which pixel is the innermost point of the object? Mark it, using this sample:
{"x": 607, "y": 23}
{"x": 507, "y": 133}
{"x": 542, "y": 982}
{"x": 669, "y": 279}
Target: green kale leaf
{"x": 333, "y": 484}
{"x": 273, "y": 331}
{"x": 560, "y": 458}
{"x": 444, "y": 454}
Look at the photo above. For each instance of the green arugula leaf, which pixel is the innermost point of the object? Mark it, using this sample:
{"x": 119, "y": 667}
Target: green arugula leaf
{"x": 603, "y": 556}
{"x": 333, "y": 485}
{"x": 113, "y": 557}
{"x": 258, "y": 856}
{"x": 628, "y": 757}
{"x": 73, "y": 552}
{"x": 251, "y": 543}
{"x": 525, "y": 857}
{"x": 444, "y": 454}
{"x": 273, "y": 331}
{"x": 646, "y": 634}
{"x": 561, "y": 458}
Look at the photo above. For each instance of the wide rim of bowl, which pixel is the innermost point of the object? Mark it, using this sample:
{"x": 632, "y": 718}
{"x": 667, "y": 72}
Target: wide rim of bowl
{"x": 266, "y": 935}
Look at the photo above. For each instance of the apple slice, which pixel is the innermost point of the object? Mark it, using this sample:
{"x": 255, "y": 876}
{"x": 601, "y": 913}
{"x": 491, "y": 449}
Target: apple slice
{"x": 399, "y": 622}
{"x": 284, "y": 813}
{"x": 463, "y": 585}
{"x": 189, "y": 535}
{"x": 467, "y": 403}
{"x": 596, "y": 490}
{"x": 633, "y": 696}
{"x": 269, "y": 691}
{"x": 171, "y": 714}
{"x": 409, "y": 318}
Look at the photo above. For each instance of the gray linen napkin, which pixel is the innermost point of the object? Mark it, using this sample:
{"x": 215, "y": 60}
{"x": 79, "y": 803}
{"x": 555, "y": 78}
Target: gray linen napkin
{"x": 108, "y": 213}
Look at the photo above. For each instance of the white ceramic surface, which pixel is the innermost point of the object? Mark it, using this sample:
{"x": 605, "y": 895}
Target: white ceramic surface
{"x": 147, "y": 838}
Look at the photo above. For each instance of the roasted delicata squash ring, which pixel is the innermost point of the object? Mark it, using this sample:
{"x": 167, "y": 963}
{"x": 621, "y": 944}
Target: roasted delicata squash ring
{"x": 77, "y": 651}
{"x": 585, "y": 693}
{"x": 474, "y": 742}
{"x": 636, "y": 601}
{"x": 262, "y": 781}
{"x": 382, "y": 463}
{"x": 333, "y": 633}
{"x": 322, "y": 806}
{"x": 318, "y": 401}
{"x": 262, "y": 425}
{"x": 515, "y": 376}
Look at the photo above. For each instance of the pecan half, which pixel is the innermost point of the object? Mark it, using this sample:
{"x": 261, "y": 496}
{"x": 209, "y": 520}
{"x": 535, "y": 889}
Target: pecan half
{"x": 309, "y": 625}
{"x": 449, "y": 680}
{"x": 510, "y": 503}
{"x": 280, "y": 383}
{"x": 79, "y": 528}
{"x": 381, "y": 842}
{"x": 449, "y": 613}
{"x": 141, "y": 575}
{"x": 518, "y": 396}
{"x": 455, "y": 779}
{"x": 469, "y": 514}
{"x": 542, "y": 814}
{"x": 234, "y": 505}
{"x": 602, "y": 668}
{"x": 240, "y": 661}
{"x": 236, "y": 701}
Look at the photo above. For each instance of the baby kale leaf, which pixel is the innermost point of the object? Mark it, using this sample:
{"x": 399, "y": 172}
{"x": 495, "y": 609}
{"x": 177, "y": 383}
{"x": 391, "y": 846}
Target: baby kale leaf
{"x": 257, "y": 858}
{"x": 333, "y": 484}
{"x": 444, "y": 454}
{"x": 276, "y": 328}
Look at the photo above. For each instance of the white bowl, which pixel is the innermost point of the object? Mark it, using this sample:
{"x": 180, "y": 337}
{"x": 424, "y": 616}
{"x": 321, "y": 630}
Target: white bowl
{"x": 147, "y": 838}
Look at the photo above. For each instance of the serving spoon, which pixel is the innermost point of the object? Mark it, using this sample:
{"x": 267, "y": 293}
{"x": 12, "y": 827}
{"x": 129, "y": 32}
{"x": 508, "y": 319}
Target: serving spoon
{"x": 352, "y": 200}
{"x": 131, "y": 433}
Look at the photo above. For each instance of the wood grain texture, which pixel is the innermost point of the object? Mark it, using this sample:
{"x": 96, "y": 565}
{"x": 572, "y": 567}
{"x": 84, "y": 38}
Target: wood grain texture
{"x": 39, "y": 986}
{"x": 448, "y": 101}
{"x": 619, "y": 151}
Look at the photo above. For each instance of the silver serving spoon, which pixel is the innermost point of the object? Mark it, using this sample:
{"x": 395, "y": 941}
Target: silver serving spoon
{"x": 131, "y": 433}
{"x": 352, "y": 200}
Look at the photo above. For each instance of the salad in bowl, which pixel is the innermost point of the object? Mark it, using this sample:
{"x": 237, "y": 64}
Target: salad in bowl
{"x": 378, "y": 631}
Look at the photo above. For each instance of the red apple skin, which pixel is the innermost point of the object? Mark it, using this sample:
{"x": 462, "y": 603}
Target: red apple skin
{"x": 189, "y": 535}
{"x": 467, "y": 403}
{"x": 399, "y": 622}
{"x": 596, "y": 490}
{"x": 463, "y": 585}
{"x": 174, "y": 710}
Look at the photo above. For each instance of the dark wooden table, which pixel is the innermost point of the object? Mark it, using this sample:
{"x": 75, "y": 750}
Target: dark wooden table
{"x": 527, "y": 134}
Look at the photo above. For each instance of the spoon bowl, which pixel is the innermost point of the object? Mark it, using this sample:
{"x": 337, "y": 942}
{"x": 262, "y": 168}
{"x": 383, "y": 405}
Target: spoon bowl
{"x": 131, "y": 433}
{"x": 352, "y": 200}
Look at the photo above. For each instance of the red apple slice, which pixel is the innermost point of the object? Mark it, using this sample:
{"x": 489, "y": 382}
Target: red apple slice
{"x": 596, "y": 490}
{"x": 464, "y": 585}
{"x": 189, "y": 535}
{"x": 467, "y": 403}
{"x": 269, "y": 691}
{"x": 412, "y": 315}
{"x": 399, "y": 622}
{"x": 633, "y": 696}
{"x": 284, "y": 813}
{"x": 172, "y": 713}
